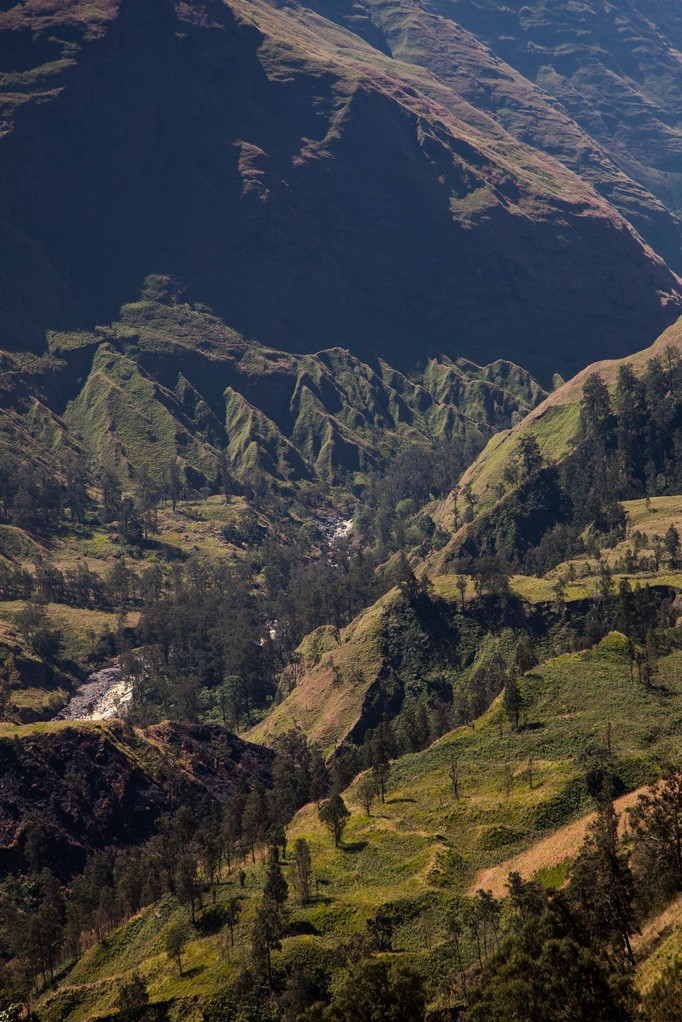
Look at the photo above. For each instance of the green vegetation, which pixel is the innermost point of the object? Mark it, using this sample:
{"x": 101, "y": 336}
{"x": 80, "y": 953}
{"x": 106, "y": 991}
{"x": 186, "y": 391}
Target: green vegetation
{"x": 422, "y": 845}
{"x": 463, "y": 745}
{"x": 275, "y": 493}
{"x": 555, "y": 424}
{"x": 550, "y": 509}
{"x": 343, "y": 419}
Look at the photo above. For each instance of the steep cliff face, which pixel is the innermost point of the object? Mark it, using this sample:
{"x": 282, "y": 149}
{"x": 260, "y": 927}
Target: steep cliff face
{"x": 307, "y": 186}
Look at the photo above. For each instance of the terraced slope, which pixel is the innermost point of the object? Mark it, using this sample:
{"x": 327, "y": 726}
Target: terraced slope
{"x": 549, "y": 854}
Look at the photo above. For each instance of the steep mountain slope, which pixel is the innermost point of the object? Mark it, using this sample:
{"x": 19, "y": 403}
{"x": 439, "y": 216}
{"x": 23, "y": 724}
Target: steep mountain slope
{"x": 478, "y": 83}
{"x": 288, "y": 417}
{"x": 94, "y": 786}
{"x": 340, "y": 691}
{"x": 311, "y": 196}
{"x": 407, "y": 861}
{"x": 344, "y": 684}
{"x": 554, "y": 424}
{"x": 168, "y": 380}
{"x": 616, "y": 68}
{"x": 255, "y": 254}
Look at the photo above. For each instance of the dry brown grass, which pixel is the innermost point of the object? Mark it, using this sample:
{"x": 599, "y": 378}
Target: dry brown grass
{"x": 328, "y": 699}
{"x": 551, "y": 851}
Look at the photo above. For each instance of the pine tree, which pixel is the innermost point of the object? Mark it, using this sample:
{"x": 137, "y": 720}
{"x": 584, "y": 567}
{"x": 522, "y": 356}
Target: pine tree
{"x": 513, "y": 702}
{"x": 175, "y": 940}
{"x": 275, "y": 889}
{"x": 381, "y": 762}
{"x": 334, "y": 814}
{"x": 381, "y": 991}
{"x": 231, "y": 915}
{"x": 367, "y": 791}
{"x": 303, "y": 869}
{"x": 657, "y": 823}
{"x": 602, "y": 885}
{"x": 319, "y": 778}
{"x": 254, "y": 819}
{"x": 673, "y": 546}
{"x": 266, "y": 935}
{"x": 188, "y": 884}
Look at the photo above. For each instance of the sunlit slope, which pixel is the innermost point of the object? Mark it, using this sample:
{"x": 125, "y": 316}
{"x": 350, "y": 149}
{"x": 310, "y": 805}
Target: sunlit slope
{"x": 422, "y": 845}
{"x": 554, "y": 424}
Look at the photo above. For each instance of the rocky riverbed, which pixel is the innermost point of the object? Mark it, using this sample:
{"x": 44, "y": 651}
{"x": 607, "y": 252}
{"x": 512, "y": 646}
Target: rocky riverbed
{"x": 334, "y": 527}
{"x": 106, "y": 693}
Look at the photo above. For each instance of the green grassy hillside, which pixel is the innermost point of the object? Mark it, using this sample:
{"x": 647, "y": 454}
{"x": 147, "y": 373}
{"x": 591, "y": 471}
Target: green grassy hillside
{"x": 499, "y": 510}
{"x": 342, "y": 686}
{"x": 143, "y": 392}
{"x": 554, "y": 424}
{"x": 422, "y": 846}
{"x": 288, "y": 294}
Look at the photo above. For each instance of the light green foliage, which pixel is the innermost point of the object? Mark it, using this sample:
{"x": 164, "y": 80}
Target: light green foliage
{"x": 422, "y": 843}
{"x": 344, "y": 416}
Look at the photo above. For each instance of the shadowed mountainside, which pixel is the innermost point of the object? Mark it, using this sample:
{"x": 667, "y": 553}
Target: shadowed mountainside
{"x": 615, "y": 68}
{"x": 93, "y": 786}
{"x": 479, "y": 74}
{"x": 303, "y": 185}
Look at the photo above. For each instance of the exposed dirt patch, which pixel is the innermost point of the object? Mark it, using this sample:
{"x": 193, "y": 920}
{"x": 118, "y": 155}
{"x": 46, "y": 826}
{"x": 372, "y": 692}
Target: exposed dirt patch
{"x": 551, "y": 851}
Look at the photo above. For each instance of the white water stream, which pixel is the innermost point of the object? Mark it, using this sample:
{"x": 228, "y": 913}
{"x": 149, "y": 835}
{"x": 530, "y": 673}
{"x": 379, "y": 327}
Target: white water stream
{"x": 105, "y": 694}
